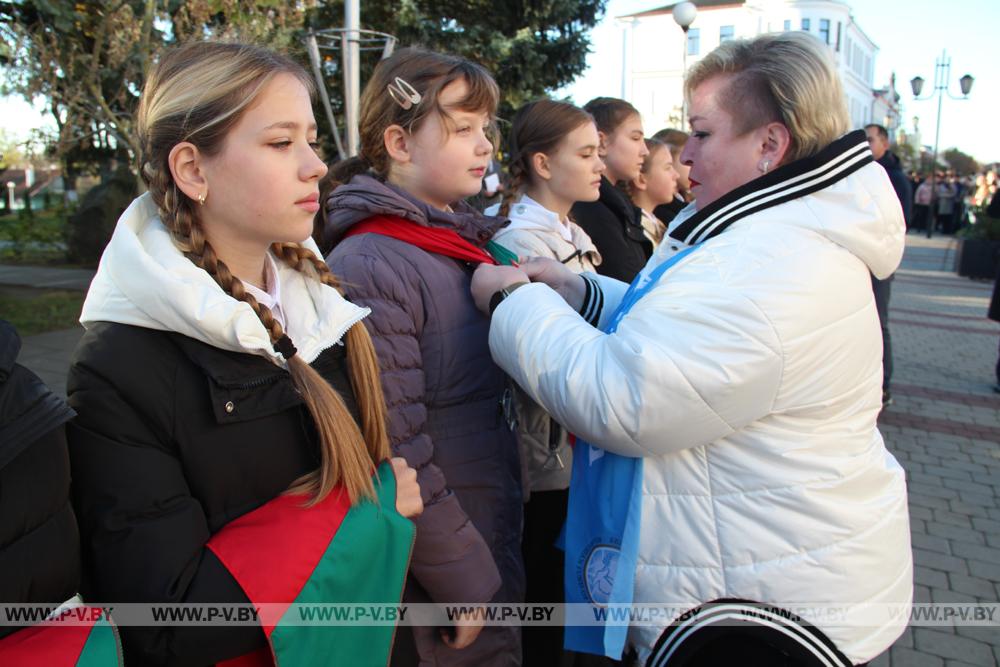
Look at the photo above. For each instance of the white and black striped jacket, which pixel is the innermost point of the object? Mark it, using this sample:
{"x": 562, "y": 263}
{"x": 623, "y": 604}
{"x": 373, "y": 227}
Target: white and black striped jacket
{"x": 749, "y": 380}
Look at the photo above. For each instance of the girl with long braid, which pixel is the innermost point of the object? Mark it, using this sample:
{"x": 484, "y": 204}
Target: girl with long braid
{"x": 230, "y": 416}
{"x": 553, "y": 162}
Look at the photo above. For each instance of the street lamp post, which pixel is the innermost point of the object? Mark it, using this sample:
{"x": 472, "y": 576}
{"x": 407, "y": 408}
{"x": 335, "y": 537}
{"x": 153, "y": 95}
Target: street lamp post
{"x": 942, "y": 73}
{"x": 684, "y": 15}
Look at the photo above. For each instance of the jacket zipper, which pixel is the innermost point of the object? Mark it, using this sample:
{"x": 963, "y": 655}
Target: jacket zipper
{"x": 257, "y": 382}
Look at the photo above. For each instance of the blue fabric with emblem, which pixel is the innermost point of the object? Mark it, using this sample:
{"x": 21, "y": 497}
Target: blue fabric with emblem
{"x": 601, "y": 536}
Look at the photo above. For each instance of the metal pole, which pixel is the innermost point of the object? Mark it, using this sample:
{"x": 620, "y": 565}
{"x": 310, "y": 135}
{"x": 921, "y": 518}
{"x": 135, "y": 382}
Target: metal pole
{"x": 684, "y": 68}
{"x": 625, "y": 31}
{"x": 940, "y": 84}
{"x": 314, "y": 58}
{"x": 351, "y": 53}
{"x": 932, "y": 218}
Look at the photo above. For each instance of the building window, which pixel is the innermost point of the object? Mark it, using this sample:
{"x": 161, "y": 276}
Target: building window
{"x": 694, "y": 39}
{"x": 788, "y": 25}
{"x": 824, "y": 30}
{"x": 726, "y": 33}
{"x": 838, "y": 36}
{"x": 805, "y": 24}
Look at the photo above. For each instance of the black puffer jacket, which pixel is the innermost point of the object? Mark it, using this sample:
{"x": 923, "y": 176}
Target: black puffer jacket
{"x": 39, "y": 543}
{"x": 614, "y": 224}
{"x": 175, "y": 439}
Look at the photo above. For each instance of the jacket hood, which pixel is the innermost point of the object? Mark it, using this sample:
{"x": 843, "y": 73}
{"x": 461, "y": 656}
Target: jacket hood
{"x": 529, "y": 215}
{"x": 144, "y": 280}
{"x": 366, "y": 196}
{"x": 840, "y": 193}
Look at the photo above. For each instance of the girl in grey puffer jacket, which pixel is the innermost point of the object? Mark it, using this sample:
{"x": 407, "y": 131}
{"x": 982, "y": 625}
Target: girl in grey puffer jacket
{"x": 405, "y": 245}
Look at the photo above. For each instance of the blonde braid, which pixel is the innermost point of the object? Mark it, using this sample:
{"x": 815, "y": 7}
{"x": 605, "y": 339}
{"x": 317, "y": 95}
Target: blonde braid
{"x": 363, "y": 366}
{"x": 346, "y": 455}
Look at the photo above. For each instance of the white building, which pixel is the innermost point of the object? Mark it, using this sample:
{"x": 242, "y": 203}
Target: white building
{"x": 653, "y": 65}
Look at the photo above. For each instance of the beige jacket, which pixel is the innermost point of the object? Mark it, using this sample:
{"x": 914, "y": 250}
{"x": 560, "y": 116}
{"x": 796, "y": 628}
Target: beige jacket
{"x": 535, "y": 231}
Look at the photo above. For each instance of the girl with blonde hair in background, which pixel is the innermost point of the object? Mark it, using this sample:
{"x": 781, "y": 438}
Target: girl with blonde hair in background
{"x": 655, "y": 186}
{"x": 230, "y": 417}
{"x": 675, "y": 141}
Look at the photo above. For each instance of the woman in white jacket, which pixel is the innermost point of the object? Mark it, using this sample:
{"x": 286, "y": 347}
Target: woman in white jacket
{"x": 744, "y": 371}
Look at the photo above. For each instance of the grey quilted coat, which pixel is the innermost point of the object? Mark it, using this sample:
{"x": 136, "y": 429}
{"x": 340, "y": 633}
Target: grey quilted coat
{"x": 444, "y": 396}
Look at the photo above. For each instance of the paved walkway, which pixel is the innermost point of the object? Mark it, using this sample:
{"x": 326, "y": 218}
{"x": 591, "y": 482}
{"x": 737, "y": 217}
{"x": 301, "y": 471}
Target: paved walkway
{"x": 48, "y": 354}
{"x": 944, "y": 427}
{"x": 43, "y": 276}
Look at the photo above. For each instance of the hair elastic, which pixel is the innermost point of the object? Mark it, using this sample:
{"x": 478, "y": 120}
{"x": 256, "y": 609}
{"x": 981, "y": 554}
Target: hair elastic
{"x": 284, "y": 347}
{"x": 403, "y": 94}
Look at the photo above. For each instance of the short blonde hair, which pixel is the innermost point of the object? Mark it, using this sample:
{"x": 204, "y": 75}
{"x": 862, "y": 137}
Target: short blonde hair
{"x": 788, "y": 78}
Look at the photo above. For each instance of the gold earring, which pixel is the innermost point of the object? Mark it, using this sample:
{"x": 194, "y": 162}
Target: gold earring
{"x": 201, "y": 198}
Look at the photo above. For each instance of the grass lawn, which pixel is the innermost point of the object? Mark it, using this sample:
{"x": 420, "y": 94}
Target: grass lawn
{"x": 34, "y": 311}
{"x": 37, "y": 240}
{"x": 46, "y": 224}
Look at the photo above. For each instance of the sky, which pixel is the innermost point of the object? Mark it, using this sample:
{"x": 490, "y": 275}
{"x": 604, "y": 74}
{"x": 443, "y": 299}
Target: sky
{"x": 910, "y": 35}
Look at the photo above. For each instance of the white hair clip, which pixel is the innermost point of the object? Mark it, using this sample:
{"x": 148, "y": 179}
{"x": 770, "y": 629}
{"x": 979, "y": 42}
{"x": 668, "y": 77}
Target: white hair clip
{"x": 403, "y": 94}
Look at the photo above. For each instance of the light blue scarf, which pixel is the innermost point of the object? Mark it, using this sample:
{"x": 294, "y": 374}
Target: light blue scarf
{"x": 603, "y": 519}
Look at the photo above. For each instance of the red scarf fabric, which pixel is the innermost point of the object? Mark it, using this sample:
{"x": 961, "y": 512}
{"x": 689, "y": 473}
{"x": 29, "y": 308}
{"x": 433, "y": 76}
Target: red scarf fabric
{"x": 437, "y": 240}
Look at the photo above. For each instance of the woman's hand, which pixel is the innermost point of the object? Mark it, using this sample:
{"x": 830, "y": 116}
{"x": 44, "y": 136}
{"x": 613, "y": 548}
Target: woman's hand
{"x": 467, "y": 627}
{"x": 408, "y": 501}
{"x": 489, "y": 279}
{"x": 567, "y": 284}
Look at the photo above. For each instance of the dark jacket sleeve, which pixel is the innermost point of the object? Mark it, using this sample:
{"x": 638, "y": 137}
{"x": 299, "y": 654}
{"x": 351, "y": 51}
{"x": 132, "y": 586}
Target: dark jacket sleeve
{"x": 903, "y": 190}
{"x": 143, "y": 533}
{"x": 451, "y": 560}
{"x": 993, "y": 210}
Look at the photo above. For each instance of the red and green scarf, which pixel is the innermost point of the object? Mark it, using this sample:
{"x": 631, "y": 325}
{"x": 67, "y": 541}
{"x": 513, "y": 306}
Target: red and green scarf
{"x": 330, "y": 553}
{"x": 54, "y": 644}
{"x": 437, "y": 240}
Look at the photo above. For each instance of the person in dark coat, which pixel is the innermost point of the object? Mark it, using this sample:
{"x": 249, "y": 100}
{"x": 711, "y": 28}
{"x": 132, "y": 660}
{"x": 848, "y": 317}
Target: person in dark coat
{"x": 613, "y": 222}
{"x": 39, "y": 541}
{"x": 993, "y": 210}
{"x": 878, "y": 141}
{"x": 224, "y": 389}
{"x": 449, "y": 406}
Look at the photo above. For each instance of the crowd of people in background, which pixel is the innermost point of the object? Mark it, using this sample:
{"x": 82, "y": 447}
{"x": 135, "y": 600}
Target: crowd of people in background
{"x": 279, "y": 352}
{"x": 946, "y": 202}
